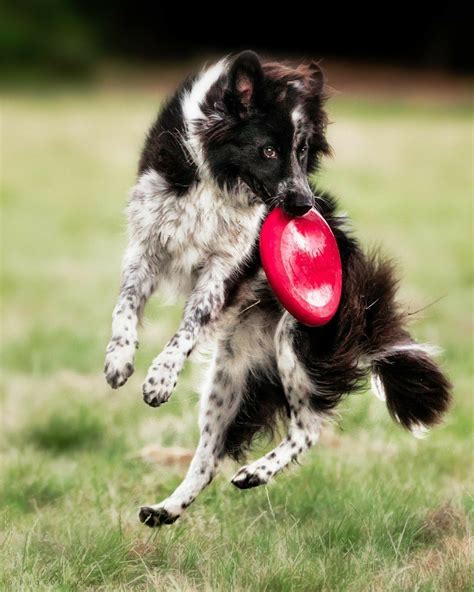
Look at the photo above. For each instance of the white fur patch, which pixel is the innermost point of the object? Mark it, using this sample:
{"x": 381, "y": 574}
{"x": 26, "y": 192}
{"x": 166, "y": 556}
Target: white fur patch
{"x": 193, "y": 113}
{"x": 425, "y": 348}
{"x": 377, "y": 387}
{"x": 188, "y": 229}
{"x": 419, "y": 431}
{"x": 297, "y": 115}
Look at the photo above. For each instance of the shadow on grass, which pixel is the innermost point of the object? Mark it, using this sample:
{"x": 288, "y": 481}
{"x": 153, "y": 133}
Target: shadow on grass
{"x": 65, "y": 428}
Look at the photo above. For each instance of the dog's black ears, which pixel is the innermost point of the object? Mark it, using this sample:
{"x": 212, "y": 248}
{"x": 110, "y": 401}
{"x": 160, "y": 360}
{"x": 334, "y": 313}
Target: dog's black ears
{"x": 316, "y": 78}
{"x": 245, "y": 82}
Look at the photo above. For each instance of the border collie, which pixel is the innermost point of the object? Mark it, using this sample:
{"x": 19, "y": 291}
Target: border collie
{"x": 233, "y": 142}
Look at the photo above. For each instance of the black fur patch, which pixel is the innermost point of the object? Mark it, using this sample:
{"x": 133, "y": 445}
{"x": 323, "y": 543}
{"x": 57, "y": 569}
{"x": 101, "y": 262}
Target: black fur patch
{"x": 367, "y": 319}
{"x": 416, "y": 390}
{"x": 238, "y": 125}
{"x": 164, "y": 150}
{"x": 263, "y": 405}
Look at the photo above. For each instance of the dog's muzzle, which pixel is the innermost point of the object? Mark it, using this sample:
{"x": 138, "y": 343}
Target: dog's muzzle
{"x": 298, "y": 204}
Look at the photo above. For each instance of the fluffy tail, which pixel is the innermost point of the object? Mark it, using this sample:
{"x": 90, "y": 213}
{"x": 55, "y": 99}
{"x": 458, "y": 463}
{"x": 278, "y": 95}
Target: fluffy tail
{"x": 417, "y": 393}
{"x": 369, "y": 334}
{"x": 404, "y": 373}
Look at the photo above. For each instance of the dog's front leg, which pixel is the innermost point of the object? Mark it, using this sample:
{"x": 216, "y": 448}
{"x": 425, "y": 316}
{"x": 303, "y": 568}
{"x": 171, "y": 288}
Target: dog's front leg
{"x": 139, "y": 275}
{"x": 202, "y": 307}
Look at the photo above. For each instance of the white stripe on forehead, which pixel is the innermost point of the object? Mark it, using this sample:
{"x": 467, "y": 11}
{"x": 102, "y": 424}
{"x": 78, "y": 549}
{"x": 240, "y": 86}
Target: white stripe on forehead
{"x": 299, "y": 119}
{"x": 297, "y": 115}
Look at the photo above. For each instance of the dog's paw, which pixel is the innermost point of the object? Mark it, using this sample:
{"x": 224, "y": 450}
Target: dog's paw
{"x": 155, "y": 516}
{"x": 160, "y": 381}
{"x": 248, "y": 477}
{"x": 119, "y": 363}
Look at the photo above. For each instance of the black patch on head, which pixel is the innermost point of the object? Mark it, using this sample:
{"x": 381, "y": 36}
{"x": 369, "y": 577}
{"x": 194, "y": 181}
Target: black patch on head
{"x": 245, "y": 82}
{"x": 250, "y": 108}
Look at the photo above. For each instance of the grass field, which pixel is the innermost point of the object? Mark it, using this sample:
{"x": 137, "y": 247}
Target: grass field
{"x": 370, "y": 508}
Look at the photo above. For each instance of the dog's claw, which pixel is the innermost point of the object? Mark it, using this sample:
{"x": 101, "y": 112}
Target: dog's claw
{"x": 155, "y": 517}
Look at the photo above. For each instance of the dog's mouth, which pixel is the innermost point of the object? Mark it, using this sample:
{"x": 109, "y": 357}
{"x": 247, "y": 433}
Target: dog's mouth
{"x": 296, "y": 205}
{"x": 258, "y": 189}
{"x": 262, "y": 193}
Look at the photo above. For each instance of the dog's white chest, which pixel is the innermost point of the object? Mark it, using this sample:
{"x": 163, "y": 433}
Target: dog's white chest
{"x": 205, "y": 226}
{"x": 187, "y": 232}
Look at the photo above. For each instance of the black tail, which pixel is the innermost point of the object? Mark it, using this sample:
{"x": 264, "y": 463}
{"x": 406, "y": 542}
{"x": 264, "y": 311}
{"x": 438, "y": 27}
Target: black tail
{"x": 369, "y": 334}
{"x": 417, "y": 393}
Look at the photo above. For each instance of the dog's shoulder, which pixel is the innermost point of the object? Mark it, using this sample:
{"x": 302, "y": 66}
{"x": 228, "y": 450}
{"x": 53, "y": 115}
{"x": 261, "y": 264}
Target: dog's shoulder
{"x": 165, "y": 149}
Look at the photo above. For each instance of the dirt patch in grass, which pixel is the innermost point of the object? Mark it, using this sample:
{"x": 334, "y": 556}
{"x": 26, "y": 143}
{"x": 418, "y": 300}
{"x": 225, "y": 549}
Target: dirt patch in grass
{"x": 443, "y": 559}
{"x": 444, "y": 521}
{"x": 449, "y": 565}
{"x": 162, "y": 455}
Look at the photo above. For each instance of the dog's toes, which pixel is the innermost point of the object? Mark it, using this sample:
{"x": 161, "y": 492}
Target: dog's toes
{"x": 117, "y": 378}
{"x": 157, "y": 391}
{"x": 118, "y": 367}
{"x": 153, "y": 397}
{"x": 153, "y": 517}
{"x": 245, "y": 480}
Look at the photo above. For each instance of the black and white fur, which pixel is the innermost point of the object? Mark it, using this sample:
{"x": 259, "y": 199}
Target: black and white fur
{"x": 233, "y": 142}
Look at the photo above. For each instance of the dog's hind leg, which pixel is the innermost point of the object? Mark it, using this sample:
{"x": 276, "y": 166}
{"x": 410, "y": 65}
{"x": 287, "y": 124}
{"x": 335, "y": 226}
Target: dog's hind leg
{"x": 304, "y": 423}
{"x": 220, "y": 402}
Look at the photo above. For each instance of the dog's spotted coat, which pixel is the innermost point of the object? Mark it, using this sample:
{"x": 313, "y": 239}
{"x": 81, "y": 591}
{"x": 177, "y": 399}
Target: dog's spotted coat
{"x": 236, "y": 140}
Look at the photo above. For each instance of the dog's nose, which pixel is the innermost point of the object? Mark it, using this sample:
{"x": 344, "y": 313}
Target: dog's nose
{"x": 296, "y": 210}
{"x": 298, "y": 205}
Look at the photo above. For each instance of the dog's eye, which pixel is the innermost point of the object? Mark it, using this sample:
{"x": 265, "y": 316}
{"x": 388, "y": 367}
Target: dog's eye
{"x": 303, "y": 150}
{"x": 270, "y": 152}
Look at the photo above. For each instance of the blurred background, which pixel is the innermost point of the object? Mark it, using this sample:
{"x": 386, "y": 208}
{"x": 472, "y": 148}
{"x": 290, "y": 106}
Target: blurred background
{"x": 370, "y": 508}
{"x": 69, "y": 37}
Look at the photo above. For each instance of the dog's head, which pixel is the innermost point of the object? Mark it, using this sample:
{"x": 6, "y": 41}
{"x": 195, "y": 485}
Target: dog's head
{"x": 267, "y": 128}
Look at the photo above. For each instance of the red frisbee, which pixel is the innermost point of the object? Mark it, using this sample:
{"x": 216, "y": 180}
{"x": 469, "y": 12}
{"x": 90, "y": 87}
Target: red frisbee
{"x": 303, "y": 266}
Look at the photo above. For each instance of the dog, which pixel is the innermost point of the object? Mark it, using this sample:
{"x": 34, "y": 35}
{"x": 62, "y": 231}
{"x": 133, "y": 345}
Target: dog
{"x": 235, "y": 141}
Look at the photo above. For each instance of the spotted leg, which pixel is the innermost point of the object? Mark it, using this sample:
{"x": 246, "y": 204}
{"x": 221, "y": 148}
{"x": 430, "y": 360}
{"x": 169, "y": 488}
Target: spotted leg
{"x": 202, "y": 307}
{"x": 138, "y": 283}
{"x": 304, "y": 424}
{"x": 219, "y": 404}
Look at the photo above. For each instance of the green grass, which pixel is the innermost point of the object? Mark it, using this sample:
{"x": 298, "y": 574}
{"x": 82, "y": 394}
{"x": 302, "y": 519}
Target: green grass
{"x": 369, "y": 509}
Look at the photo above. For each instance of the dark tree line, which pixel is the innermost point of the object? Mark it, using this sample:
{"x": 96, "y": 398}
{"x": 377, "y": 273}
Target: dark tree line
{"x": 72, "y": 34}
